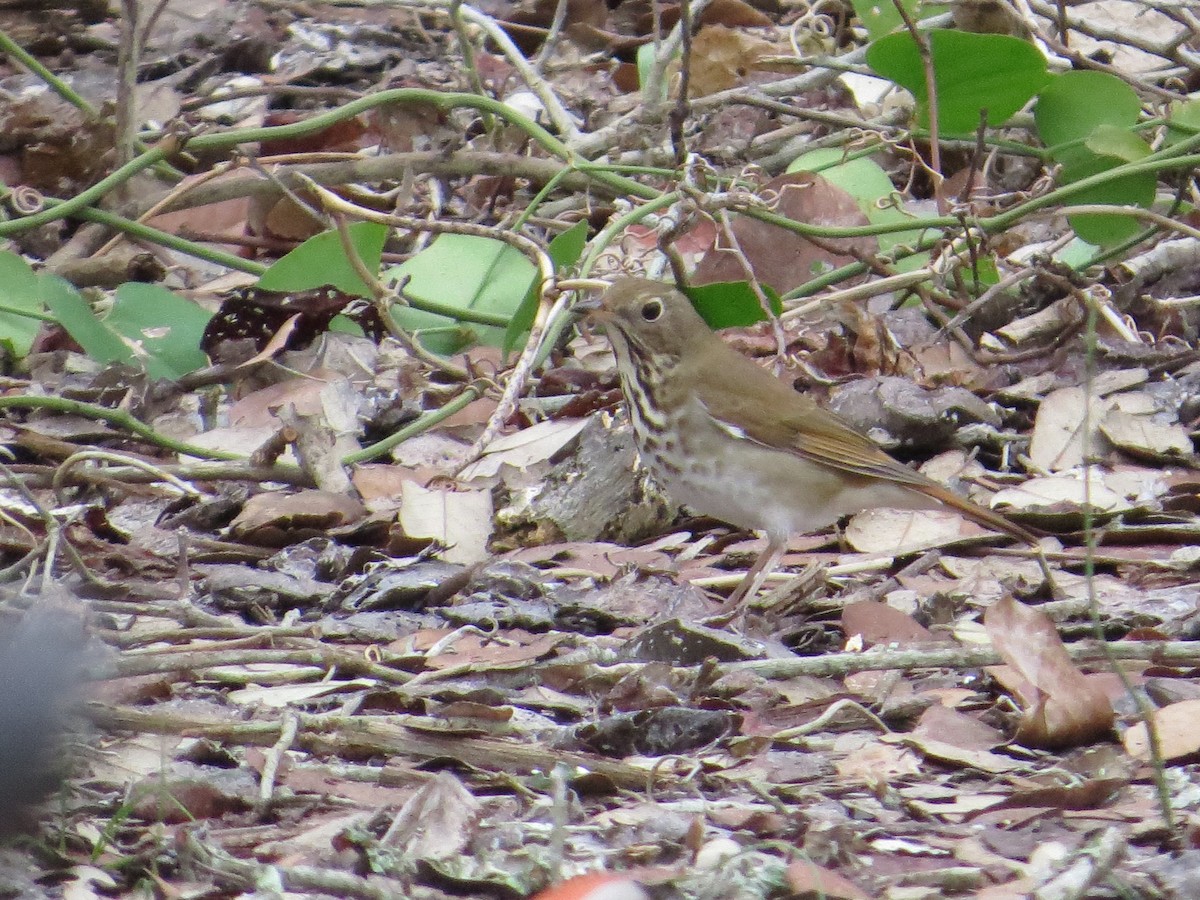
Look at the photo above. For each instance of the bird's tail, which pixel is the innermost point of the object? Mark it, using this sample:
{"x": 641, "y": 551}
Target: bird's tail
{"x": 979, "y": 514}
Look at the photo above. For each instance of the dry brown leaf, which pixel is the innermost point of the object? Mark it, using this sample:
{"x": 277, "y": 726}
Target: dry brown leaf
{"x": 1146, "y": 437}
{"x": 877, "y": 763}
{"x": 879, "y": 623}
{"x": 280, "y": 695}
{"x": 807, "y": 879}
{"x": 1061, "y": 494}
{"x": 274, "y": 520}
{"x": 459, "y": 520}
{"x": 525, "y": 448}
{"x": 304, "y": 393}
{"x": 982, "y": 760}
{"x": 517, "y": 647}
{"x": 437, "y": 822}
{"x": 957, "y": 728}
{"x": 897, "y": 531}
{"x": 1178, "y": 728}
{"x": 722, "y": 57}
{"x": 380, "y": 485}
{"x": 1067, "y": 422}
{"x": 780, "y": 258}
{"x": 1062, "y": 707}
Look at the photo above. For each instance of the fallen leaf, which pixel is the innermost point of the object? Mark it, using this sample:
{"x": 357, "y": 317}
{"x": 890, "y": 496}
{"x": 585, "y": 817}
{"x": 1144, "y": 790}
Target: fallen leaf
{"x": 459, "y": 520}
{"x": 1066, "y": 423}
{"x": 957, "y": 728}
{"x": 807, "y": 879}
{"x": 1062, "y": 707}
{"x": 1146, "y": 437}
{"x": 281, "y": 695}
{"x": 722, "y": 58}
{"x": 436, "y": 822}
{"x": 780, "y": 258}
{"x": 275, "y": 520}
{"x": 898, "y": 531}
{"x": 527, "y": 447}
{"x": 1061, "y": 493}
{"x": 982, "y": 760}
{"x": 1178, "y": 731}
{"x": 878, "y": 764}
{"x": 879, "y": 623}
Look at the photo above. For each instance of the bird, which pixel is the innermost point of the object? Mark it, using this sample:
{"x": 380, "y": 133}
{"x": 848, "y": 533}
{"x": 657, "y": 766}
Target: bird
{"x": 728, "y": 439}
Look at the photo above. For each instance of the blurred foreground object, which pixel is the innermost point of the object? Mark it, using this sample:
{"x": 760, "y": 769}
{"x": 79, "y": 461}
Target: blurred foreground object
{"x": 42, "y": 657}
{"x": 595, "y": 886}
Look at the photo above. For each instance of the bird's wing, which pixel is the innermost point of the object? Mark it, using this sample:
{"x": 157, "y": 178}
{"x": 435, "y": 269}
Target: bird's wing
{"x": 769, "y": 412}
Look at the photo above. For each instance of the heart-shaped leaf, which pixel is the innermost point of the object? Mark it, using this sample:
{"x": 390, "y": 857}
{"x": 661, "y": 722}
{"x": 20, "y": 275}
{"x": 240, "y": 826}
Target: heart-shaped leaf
{"x": 973, "y": 74}
{"x": 564, "y": 251}
{"x": 467, "y": 273}
{"x": 21, "y": 307}
{"x": 321, "y": 260}
{"x": 730, "y": 304}
{"x": 1086, "y": 119}
{"x": 1184, "y": 124}
{"x": 149, "y": 327}
{"x": 1073, "y": 104}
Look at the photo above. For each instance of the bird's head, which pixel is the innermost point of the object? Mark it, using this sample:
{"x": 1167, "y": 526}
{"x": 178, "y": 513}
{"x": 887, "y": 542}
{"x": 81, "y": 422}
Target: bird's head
{"x": 647, "y": 318}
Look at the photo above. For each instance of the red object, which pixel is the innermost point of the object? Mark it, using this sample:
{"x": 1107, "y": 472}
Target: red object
{"x": 595, "y": 886}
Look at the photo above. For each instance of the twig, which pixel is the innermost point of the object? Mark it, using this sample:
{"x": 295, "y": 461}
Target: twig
{"x": 837, "y": 664}
{"x": 155, "y": 473}
{"x": 330, "y": 735}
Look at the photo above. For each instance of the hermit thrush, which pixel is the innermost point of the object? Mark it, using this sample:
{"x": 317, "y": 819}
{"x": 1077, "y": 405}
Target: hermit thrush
{"x": 730, "y": 440}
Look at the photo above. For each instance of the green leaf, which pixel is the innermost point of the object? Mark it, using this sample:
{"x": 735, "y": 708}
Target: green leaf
{"x": 149, "y": 326}
{"x": 982, "y": 276}
{"x": 972, "y": 73}
{"x": 1077, "y": 254}
{"x": 1184, "y": 123}
{"x": 564, "y": 251}
{"x": 566, "y": 248}
{"x": 21, "y": 306}
{"x": 873, "y": 191}
{"x": 164, "y": 328}
{"x": 1117, "y": 143}
{"x": 1124, "y": 190}
{"x": 75, "y": 315}
{"x": 730, "y": 304}
{"x": 861, "y": 178}
{"x": 466, "y": 272}
{"x": 645, "y": 66}
{"x": 321, "y": 260}
{"x": 1073, "y": 104}
{"x": 1085, "y": 118}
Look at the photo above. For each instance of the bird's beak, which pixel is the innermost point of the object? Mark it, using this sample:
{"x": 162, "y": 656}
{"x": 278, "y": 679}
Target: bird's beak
{"x": 593, "y": 308}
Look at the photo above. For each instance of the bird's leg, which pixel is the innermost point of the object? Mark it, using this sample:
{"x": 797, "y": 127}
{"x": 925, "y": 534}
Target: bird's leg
{"x": 757, "y": 574}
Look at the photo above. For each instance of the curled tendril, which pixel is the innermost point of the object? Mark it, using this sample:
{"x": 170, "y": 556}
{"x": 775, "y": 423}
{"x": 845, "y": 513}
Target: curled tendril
{"x": 891, "y": 200}
{"x": 1043, "y": 184}
{"x": 863, "y": 138}
{"x": 814, "y": 23}
{"x": 26, "y": 200}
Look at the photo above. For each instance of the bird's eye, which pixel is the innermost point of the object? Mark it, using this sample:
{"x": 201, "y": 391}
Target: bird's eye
{"x": 652, "y": 310}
